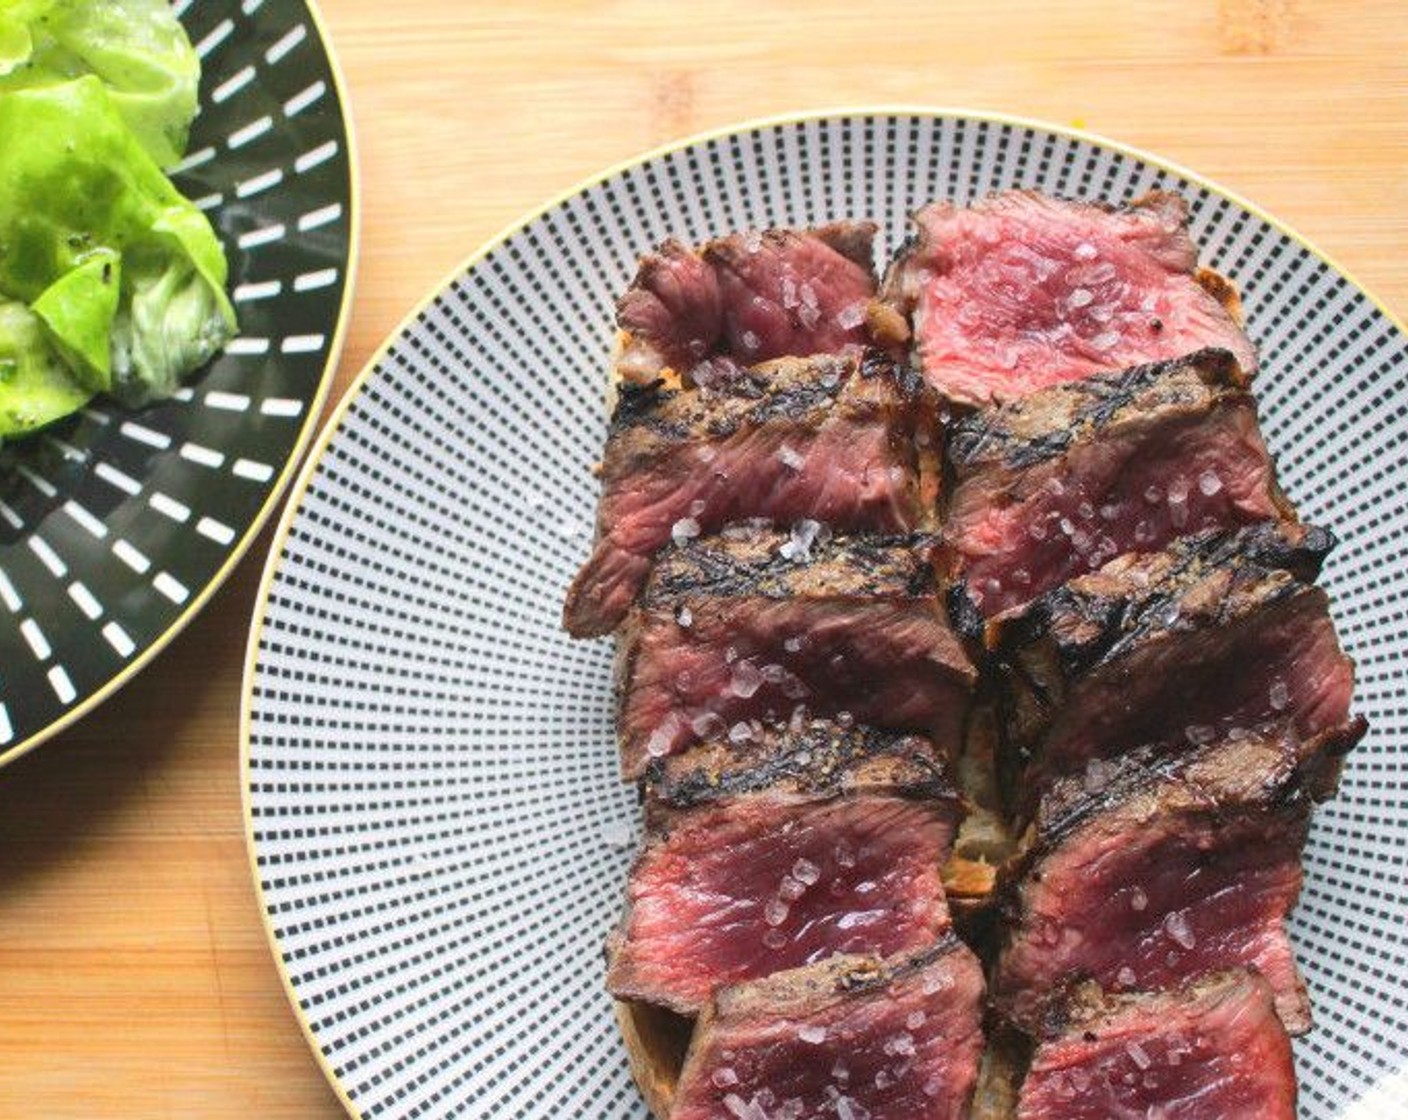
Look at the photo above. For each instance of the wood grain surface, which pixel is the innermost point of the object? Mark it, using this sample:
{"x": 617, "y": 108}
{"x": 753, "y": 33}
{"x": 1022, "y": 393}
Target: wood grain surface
{"x": 134, "y": 976}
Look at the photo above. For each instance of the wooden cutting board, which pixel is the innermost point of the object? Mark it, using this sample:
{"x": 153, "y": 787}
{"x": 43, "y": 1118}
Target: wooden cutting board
{"x": 134, "y": 976}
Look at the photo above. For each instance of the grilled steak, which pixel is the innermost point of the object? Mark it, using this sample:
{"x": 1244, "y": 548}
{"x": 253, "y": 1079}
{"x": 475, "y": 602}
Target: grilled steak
{"x": 745, "y": 627}
{"x": 842, "y": 1040}
{"x": 807, "y": 844}
{"x": 812, "y": 758}
{"x": 828, "y": 438}
{"x": 1021, "y": 291}
{"x": 1151, "y": 870}
{"x": 1215, "y": 633}
{"x": 1212, "y": 1050}
{"x": 746, "y": 298}
{"x": 1058, "y": 483}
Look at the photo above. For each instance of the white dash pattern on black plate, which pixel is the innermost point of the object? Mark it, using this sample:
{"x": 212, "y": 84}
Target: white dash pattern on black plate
{"x": 115, "y": 527}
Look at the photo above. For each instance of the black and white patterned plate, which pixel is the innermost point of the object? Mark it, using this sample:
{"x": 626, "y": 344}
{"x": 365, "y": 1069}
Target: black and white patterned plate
{"x": 116, "y": 526}
{"x": 439, "y": 836}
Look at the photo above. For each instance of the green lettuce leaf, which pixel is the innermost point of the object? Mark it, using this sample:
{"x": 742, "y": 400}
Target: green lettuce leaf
{"x": 35, "y": 386}
{"x": 79, "y": 308}
{"x": 83, "y": 204}
{"x": 136, "y": 47}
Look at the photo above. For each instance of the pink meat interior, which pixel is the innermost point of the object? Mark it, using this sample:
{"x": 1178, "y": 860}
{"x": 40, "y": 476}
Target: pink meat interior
{"x": 1028, "y": 292}
{"x": 889, "y": 663}
{"x": 1153, "y": 908}
{"x": 792, "y": 295}
{"x": 1283, "y": 664}
{"x": 906, "y": 1052}
{"x": 761, "y": 885}
{"x": 1070, "y": 515}
{"x": 1227, "y": 1059}
{"x": 849, "y": 476}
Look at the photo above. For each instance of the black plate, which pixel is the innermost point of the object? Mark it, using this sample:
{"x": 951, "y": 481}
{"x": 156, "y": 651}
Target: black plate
{"x": 116, "y": 526}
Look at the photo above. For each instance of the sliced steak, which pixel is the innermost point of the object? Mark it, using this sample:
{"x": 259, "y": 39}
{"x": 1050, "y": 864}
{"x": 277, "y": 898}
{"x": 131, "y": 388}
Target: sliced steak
{"x": 1020, "y": 291}
{"x": 826, "y": 438}
{"x": 741, "y": 629}
{"x": 1217, "y": 632}
{"x": 813, "y": 758}
{"x": 843, "y": 1040}
{"x": 1212, "y": 1050}
{"x": 746, "y": 298}
{"x": 1148, "y": 871}
{"x": 1058, "y": 483}
{"x": 808, "y": 844}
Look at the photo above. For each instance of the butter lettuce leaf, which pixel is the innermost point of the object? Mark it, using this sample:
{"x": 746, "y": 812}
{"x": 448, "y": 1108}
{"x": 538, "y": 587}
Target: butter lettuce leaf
{"x": 83, "y": 206}
{"x": 137, "y": 48}
{"x": 35, "y": 385}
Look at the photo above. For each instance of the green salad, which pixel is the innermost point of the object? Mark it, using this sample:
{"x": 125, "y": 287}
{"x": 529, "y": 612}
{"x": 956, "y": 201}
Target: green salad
{"x": 110, "y": 281}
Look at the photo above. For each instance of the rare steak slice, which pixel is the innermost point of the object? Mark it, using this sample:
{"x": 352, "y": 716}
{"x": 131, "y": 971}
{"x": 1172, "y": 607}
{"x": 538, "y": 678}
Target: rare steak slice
{"x": 1212, "y": 1051}
{"x": 1056, "y": 484}
{"x": 1148, "y": 871}
{"x": 811, "y": 842}
{"x": 1217, "y": 632}
{"x": 847, "y": 1039}
{"x": 827, "y": 438}
{"x": 1020, "y": 291}
{"x": 746, "y": 298}
{"x": 741, "y": 629}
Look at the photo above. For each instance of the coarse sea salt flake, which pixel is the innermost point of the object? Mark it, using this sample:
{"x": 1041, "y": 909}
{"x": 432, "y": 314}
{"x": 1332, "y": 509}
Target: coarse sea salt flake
{"x": 851, "y": 316}
{"x": 746, "y": 680}
{"x": 791, "y": 458}
{"x": 812, "y": 1033}
{"x": 1177, "y": 927}
{"x": 706, "y": 724}
{"x": 684, "y": 530}
{"x": 805, "y": 871}
{"x": 660, "y": 740}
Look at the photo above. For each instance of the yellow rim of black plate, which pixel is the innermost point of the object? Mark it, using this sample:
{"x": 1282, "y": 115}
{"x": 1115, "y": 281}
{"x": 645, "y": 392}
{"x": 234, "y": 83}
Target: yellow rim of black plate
{"x": 295, "y": 456}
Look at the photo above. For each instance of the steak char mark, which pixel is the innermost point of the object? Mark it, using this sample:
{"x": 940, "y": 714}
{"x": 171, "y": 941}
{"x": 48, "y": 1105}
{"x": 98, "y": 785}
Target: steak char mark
{"x": 747, "y": 298}
{"x": 1056, "y": 484}
{"x": 1215, "y": 634}
{"x": 1213, "y": 1049}
{"x": 826, "y": 438}
{"x": 742, "y": 629}
{"x": 1149, "y": 871}
{"x": 1020, "y": 291}
{"x": 809, "y": 843}
{"x": 855, "y": 1037}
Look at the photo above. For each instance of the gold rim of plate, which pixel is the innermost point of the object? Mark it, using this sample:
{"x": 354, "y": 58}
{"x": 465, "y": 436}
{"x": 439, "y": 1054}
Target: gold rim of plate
{"x": 359, "y": 383}
{"x": 291, "y": 464}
